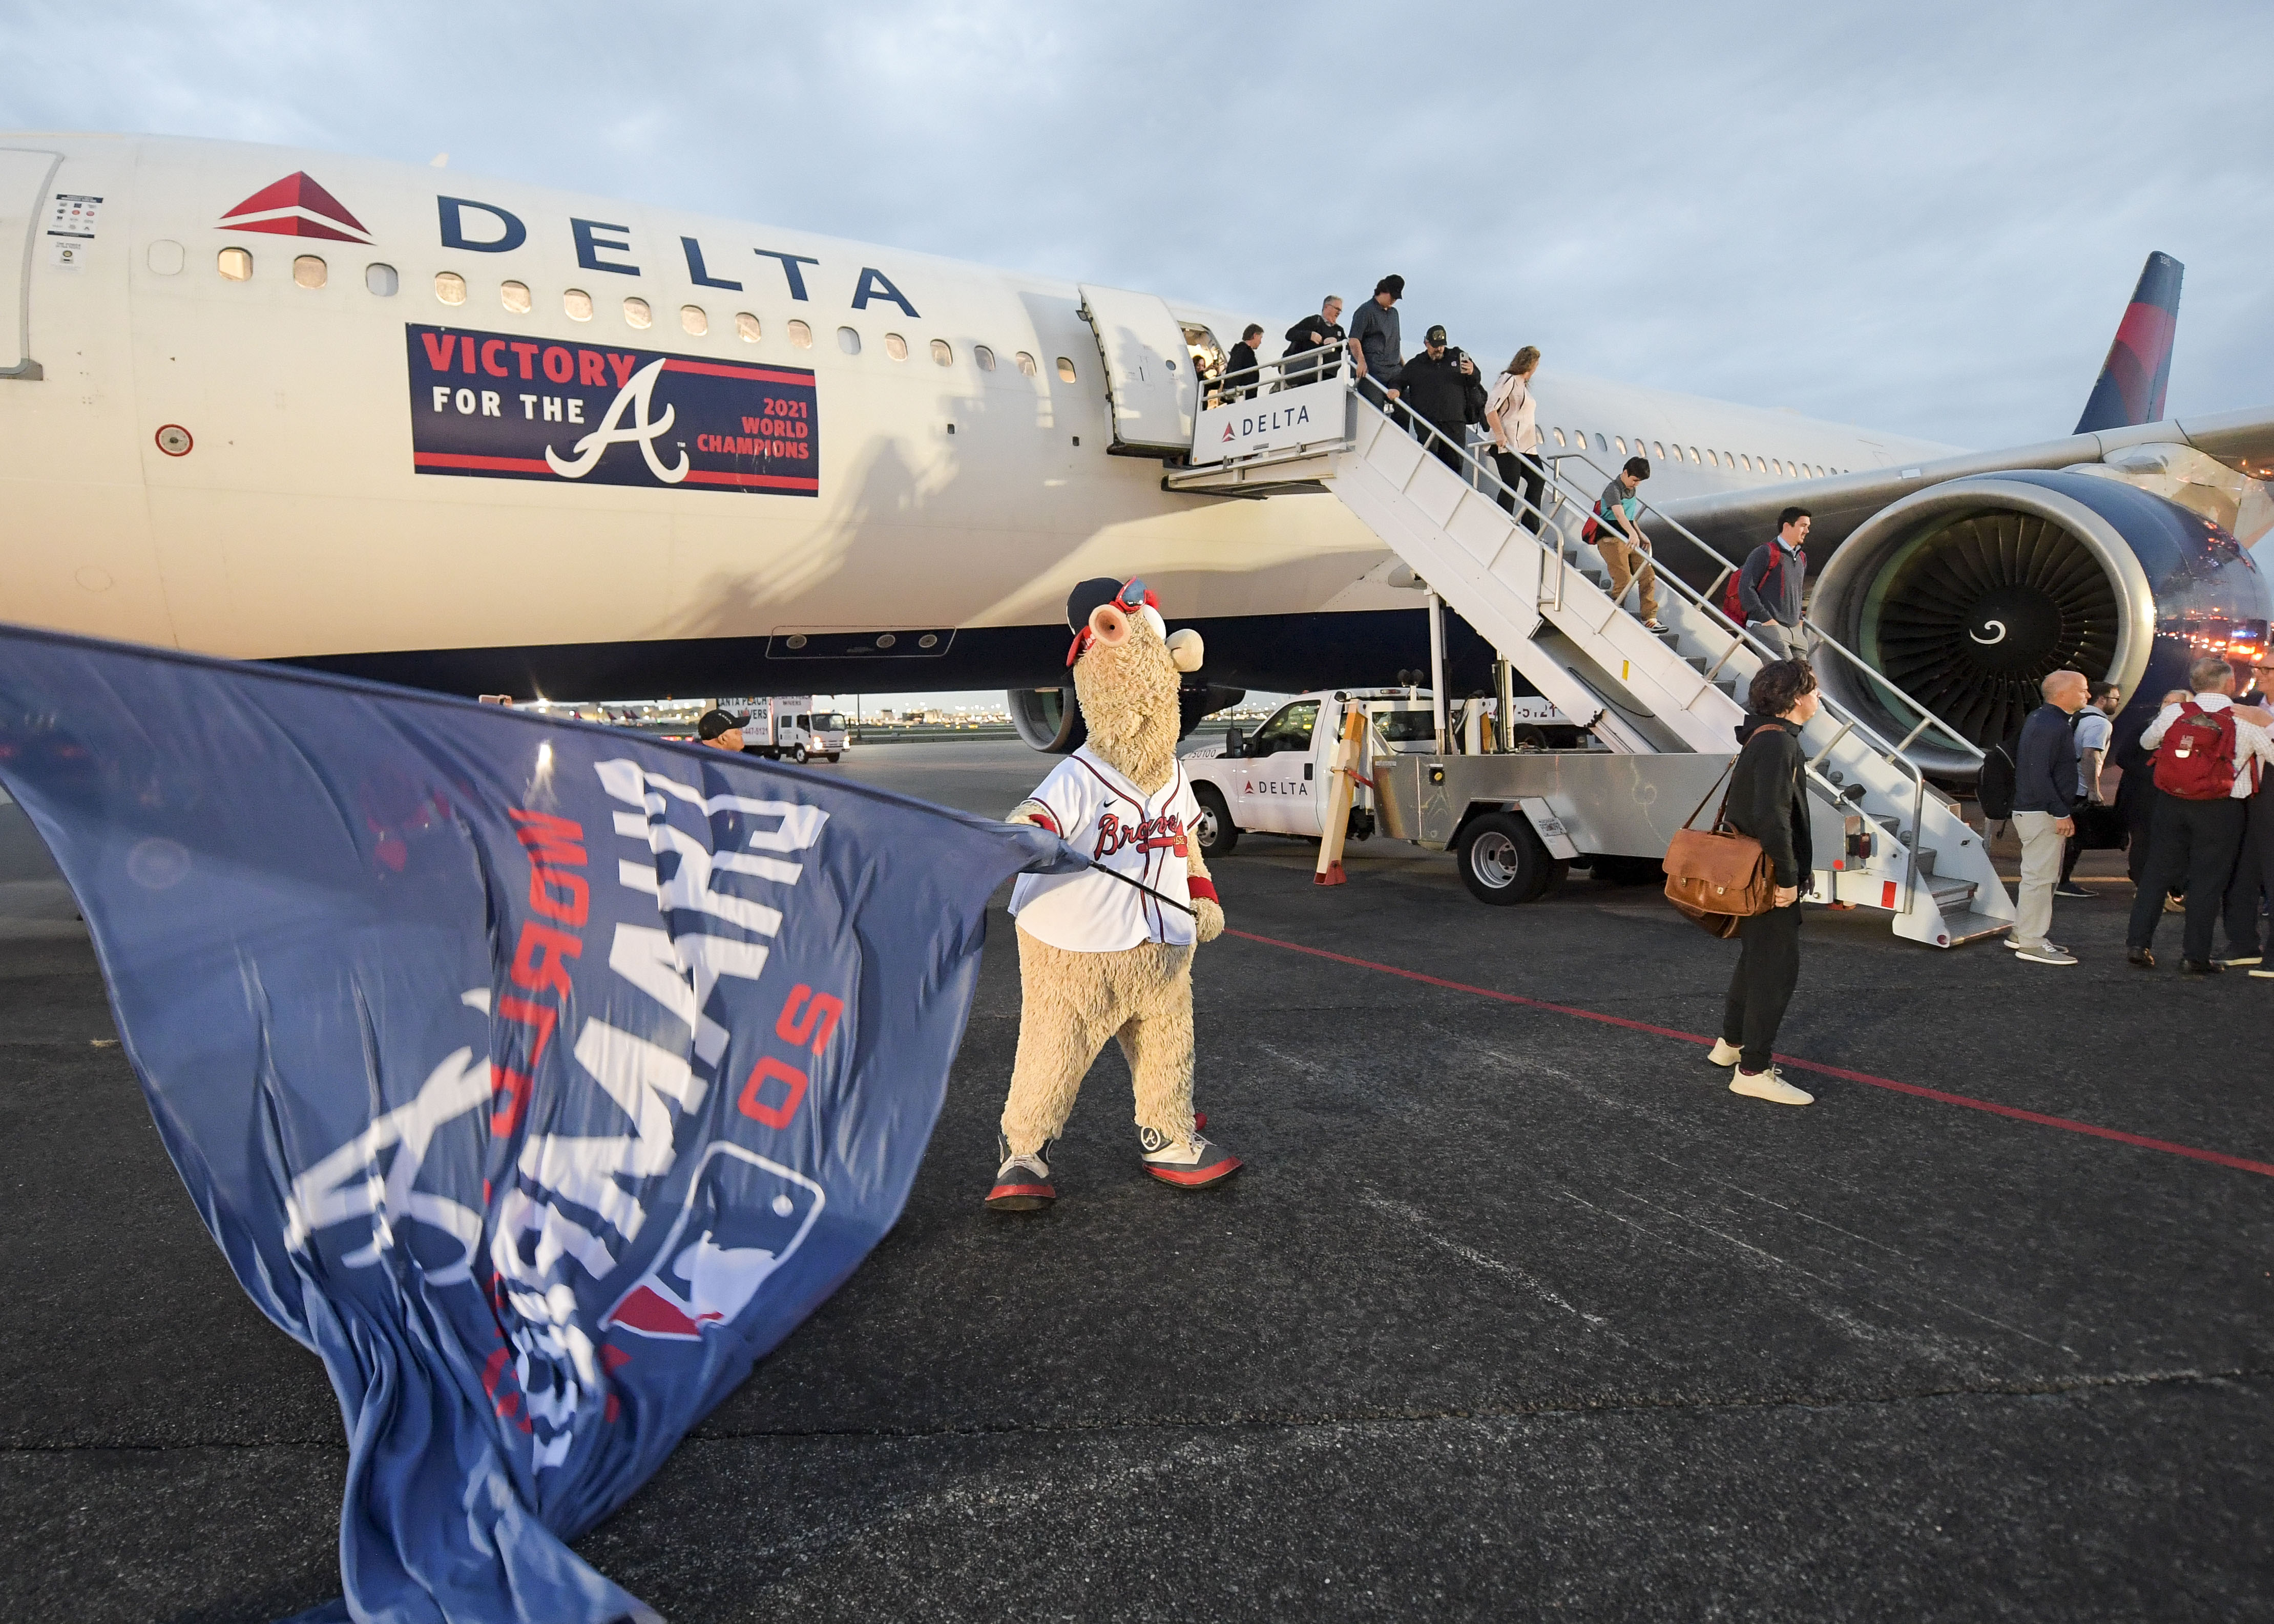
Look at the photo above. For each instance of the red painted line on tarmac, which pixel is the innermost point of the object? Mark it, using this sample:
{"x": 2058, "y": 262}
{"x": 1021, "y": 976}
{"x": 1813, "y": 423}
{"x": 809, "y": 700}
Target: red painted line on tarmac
{"x": 2217, "y": 1158}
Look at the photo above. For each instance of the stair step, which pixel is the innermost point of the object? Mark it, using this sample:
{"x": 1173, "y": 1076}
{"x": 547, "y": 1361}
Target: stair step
{"x": 1926, "y": 860}
{"x": 1728, "y": 685}
{"x": 1666, "y": 635}
{"x": 1972, "y": 927}
{"x": 1951, "y": 896}
{"x": 1697, "y": 663}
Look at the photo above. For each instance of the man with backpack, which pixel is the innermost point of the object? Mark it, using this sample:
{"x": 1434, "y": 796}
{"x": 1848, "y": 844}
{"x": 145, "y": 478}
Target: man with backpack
{"x": 1765, "y": 595}
{"x": 2045, "y": 811}
{"x": 2207, "y": 764}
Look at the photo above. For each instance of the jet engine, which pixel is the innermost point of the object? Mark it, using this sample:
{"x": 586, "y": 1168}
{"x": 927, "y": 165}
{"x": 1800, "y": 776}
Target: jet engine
{"x": 1966, "y": 594}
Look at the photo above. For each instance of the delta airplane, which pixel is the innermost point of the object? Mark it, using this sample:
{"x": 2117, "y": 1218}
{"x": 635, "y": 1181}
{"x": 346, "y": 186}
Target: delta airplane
{"x": 478, "y": 436}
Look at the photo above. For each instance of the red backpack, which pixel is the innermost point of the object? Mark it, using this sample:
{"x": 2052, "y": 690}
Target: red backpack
{"x": 2195, "y": 762}
{"x": 1733, "y": 603}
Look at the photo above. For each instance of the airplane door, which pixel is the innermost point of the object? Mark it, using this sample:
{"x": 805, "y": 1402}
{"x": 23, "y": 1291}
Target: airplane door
{"x": 23, "y": 184}
{"x": 1149, "y": 369}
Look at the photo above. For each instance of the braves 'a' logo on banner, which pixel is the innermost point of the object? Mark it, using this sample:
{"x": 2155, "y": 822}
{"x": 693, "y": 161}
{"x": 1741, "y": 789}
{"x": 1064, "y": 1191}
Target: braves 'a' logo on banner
{"x": 503, "y": 406}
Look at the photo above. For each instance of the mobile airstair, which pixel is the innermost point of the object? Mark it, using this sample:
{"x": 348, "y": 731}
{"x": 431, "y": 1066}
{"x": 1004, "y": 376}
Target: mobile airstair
{"x": 1541, "y": 597}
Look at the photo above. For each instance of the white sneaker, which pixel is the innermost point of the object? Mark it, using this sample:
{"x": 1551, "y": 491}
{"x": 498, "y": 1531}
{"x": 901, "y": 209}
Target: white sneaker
{"x": 2046, "y": 955}
{"x": 1724, "y": 1054}
{"x": 2010, "y": 940}
{"x": 1770, "y": 1085}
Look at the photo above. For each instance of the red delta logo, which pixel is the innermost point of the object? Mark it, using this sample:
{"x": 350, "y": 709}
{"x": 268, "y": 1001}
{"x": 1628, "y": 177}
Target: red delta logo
{"x": 295, "y": 206}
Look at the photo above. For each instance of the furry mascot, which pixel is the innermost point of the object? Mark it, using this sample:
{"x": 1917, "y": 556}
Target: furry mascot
{"x": 1097, "y": 958}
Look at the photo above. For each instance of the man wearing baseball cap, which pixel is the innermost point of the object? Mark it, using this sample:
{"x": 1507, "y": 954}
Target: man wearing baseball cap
{"x": 719, "y": 730}
{"x": 1441, "y": 387}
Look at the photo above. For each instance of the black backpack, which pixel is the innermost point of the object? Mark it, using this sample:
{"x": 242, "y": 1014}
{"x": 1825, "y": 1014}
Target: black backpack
{"x": 1995, "y": 787}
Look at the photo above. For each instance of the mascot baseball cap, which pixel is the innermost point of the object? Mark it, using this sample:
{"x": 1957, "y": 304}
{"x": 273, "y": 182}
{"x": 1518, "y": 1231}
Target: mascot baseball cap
{"x": 714, "y": 724}
{"x": 1089, "y": 596}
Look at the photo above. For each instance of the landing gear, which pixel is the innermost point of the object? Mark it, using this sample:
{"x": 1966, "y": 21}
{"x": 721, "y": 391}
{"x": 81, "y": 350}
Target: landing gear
{"x": 1502, "y": 861}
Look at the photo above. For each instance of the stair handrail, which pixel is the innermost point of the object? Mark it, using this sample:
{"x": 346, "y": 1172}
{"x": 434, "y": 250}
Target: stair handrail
{"x": 1927, "y": 717}
{"x": 1481, "y": 477}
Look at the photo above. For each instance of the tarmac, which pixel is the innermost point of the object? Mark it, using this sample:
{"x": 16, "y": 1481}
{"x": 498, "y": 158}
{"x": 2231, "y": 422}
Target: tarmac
{"x": 1516, "y": 1310}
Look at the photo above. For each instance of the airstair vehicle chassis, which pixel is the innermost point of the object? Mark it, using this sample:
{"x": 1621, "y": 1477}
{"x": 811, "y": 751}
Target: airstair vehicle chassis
{"x": 1665, "y": 702}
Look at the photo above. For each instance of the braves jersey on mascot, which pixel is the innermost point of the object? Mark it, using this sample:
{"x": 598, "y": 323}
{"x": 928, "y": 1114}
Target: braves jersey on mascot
{"x": 1102, "y": 815}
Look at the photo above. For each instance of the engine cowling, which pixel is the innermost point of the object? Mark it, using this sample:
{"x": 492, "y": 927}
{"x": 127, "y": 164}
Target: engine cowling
{"x": 1964, "y": 596}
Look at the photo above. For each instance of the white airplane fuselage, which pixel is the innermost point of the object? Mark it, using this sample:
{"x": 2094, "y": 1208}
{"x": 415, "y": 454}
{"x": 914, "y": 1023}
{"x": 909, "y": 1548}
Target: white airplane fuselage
{"x": 368, "y": 443}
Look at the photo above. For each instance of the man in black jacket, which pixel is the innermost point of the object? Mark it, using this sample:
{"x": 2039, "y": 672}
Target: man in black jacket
{"x": 1241, "y": 368}
{"x": 1322, "y": 333}
{"x": 1441, "y": 387}
{"x": 1768, "y": 800}
{"x": 2044, "y": 809}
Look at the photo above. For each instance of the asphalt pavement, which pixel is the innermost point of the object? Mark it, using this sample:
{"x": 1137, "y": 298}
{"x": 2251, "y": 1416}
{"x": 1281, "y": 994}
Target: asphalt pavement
{"x": 1517, "y": 1311}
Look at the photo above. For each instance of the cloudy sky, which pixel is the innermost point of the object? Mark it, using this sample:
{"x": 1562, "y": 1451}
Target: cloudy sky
{"x": 1925, "y": 218}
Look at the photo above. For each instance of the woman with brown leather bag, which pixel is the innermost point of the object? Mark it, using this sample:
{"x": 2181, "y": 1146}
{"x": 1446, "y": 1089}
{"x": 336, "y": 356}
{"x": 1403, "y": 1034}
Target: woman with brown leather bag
{"x": 1768, "y": 801}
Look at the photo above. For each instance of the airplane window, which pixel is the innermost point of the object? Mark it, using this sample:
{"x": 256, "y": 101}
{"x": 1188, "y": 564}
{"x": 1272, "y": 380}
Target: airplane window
{"x": 801, "y": 334}
{"x": 985, "y": 357}
{"x": 1599, "y": 445}
{"x": 746, "y": 328}
{"x": 381, "y": 280}
{"x": 692, "y": 321}
{"x": 449, "y": 287}
{"x": 1744, "y": 463}
{"x": 577, "y": 305}
{"x": 1027, "y": 364}
{"x": 1559, "y": 435}
{"x": 1619, "y": 442}
{"x": 1065, "y": 370}
{"x": 848, "y": 341}
{"x": 1658, "y": 451}
{"x": 896, "y": 346}
{"x": 1693, "y": 454}
{"x": 515, "y": 296}
{"x": 307, "y": 272}
{"x": 941, "y": 354}
{"x": 165, "y": 257}
{"x": 236, "y": 264}
{"x": 637, "y": 314}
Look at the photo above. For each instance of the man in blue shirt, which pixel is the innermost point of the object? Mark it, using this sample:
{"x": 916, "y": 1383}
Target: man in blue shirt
{"x": 1619, "y": 539}
{"x": 1373, "y": 337}
{"x": 2044, "y": 801}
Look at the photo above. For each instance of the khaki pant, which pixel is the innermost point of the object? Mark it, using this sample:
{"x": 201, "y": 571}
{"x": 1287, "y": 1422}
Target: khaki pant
{"x": 1620, "y": 556}
{"x": 2041, "y": 860}
{"x": 1070, "y": 1003}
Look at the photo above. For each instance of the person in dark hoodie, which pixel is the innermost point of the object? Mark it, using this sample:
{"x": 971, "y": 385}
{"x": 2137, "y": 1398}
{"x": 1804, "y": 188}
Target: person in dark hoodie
{"x": 1768, "y": 800}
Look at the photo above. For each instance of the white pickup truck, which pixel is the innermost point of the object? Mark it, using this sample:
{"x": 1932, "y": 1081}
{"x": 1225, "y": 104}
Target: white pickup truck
{"x": 1275, "y": 781}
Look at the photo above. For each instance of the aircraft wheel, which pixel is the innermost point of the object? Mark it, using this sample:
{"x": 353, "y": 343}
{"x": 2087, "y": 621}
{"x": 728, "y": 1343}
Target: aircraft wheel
{"x": 1214, "y": 828}
{"x": 1502, "y": 861}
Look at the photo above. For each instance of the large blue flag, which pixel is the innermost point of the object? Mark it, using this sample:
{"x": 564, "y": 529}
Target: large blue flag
{"x": 538, "y": 1075}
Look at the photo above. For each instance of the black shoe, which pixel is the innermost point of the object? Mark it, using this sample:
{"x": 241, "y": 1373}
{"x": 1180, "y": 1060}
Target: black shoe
{"x": 1022, "y": 1183}
{"x": 2202, "y": 966}
{"x": 2141, "y": 956}
{"x": 2074, "y": 890}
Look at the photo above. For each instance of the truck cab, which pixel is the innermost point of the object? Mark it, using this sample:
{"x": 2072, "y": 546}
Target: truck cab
{"x": 794, "y": 728}
{"x": 1275, "y": 781}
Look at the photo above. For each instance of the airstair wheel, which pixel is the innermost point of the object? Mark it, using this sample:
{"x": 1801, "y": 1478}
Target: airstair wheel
{"x": 1969, "y": 617}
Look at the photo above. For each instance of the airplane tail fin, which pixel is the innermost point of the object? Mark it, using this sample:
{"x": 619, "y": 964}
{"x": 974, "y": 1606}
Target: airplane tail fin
{"x": 2130, "y": 389}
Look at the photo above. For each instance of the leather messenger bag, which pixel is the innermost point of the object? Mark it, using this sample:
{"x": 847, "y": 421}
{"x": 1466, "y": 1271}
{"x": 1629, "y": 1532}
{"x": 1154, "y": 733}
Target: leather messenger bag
{"x": 1716, "y": 877}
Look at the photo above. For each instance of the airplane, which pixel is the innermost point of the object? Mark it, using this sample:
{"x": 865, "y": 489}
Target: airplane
{"x": 483, "y": 437}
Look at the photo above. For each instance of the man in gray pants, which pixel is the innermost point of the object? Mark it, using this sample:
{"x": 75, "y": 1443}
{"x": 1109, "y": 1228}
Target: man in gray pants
{"x": 2045, "y": 809}
{"x": 1769, "y": 587}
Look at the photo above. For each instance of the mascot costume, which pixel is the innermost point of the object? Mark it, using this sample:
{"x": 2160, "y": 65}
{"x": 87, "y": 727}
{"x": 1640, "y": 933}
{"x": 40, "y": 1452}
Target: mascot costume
{"x": 1099, "y": 958}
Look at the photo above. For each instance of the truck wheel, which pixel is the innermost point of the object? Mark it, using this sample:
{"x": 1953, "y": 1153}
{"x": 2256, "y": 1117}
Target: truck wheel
{"x": 1502, "y": 861}
{"x": 1214, "y": 828}
{"x": 797, "y": 754}
{"x": 831, "y": 760}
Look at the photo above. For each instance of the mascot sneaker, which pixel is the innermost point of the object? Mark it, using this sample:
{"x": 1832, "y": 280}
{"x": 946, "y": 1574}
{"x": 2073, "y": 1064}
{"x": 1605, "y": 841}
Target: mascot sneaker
{"x": 1022, "y": 1182}
{"x": 1194, "y": 1166}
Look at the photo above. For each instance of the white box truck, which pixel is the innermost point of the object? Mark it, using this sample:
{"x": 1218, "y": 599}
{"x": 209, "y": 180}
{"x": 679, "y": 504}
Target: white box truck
{"x": 791, "y": 726}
